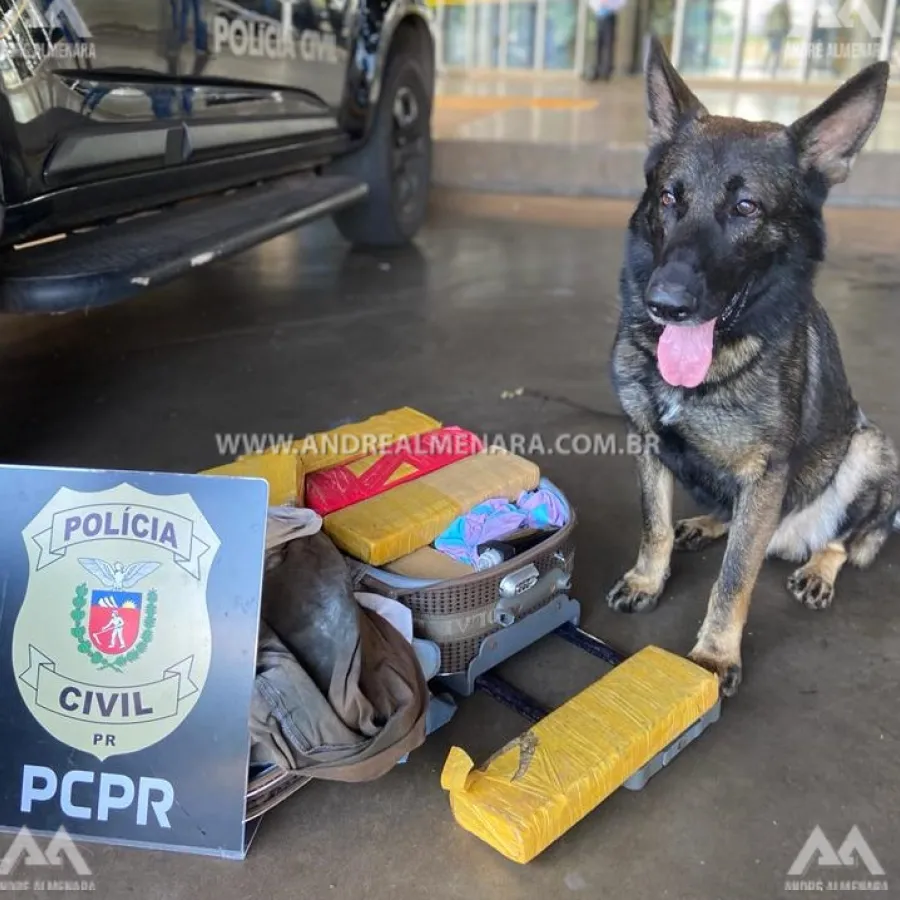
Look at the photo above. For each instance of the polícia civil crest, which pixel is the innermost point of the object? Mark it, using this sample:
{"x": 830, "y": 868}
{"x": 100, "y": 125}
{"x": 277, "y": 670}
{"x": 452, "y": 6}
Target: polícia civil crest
{"x": 120, "y": 622}
{"x": 112, "y": 644}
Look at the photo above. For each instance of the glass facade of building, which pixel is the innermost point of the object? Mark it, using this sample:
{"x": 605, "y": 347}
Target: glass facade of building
{"x": 514, "y": 35}
{"x": 792, "y": 40}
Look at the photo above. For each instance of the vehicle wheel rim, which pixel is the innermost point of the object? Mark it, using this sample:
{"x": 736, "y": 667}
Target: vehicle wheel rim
{"x": 409, "y": 152}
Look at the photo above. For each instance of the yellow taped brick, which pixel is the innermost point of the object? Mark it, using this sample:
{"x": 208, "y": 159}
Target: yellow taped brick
{"x": 409, "y": 516}
{"x": 326, "y": 449}
{"x": 283, "y": 472}
{"x": 537, "y": 787}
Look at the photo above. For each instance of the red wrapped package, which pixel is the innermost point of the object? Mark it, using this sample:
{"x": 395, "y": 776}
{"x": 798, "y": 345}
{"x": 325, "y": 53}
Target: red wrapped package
{"x": 332, "y": 489}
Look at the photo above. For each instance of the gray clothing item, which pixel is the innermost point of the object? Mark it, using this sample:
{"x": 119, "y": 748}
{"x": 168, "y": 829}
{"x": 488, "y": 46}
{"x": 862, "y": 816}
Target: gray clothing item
{"x": 339, "y": 693}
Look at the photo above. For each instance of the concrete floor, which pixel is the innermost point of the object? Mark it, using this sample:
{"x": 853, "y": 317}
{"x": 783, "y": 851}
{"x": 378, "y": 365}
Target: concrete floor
{"x": 301, "y": 335}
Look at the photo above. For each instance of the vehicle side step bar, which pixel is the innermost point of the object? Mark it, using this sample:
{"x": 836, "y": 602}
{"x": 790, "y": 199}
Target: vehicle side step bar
{"x": 114, "y": 262}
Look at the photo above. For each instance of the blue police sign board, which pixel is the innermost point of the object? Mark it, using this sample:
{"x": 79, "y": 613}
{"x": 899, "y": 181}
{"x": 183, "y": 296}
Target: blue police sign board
{"x": 129, "y": 612}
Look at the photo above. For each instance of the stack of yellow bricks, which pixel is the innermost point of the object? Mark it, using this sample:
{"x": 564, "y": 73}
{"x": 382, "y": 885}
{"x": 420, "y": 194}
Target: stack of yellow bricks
{"x": 399, "y": 521}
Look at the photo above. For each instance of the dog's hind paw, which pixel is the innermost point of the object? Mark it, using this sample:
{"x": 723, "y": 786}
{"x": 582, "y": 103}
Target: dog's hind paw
{"x": 697, "y": 533}
{"x": 729, "y": 671}
{"x": 811, "y": 589}
{"x": 634, "y": 593}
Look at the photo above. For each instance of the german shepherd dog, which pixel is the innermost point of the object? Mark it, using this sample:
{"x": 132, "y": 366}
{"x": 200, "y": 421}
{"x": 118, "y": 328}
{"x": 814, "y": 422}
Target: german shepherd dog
{"x": 728, "y": 367}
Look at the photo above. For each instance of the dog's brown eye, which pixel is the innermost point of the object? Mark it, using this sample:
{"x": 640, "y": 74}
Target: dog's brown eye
{"x": 746, "y": 208}
{"x": 667, "y": 198}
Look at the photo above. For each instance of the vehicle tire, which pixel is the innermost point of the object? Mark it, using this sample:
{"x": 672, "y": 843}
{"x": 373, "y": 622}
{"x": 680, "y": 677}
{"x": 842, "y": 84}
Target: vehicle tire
{"x": 395, "y": 161}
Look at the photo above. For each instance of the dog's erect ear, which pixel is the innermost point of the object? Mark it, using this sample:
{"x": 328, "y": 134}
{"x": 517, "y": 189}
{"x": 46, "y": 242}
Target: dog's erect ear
{"x": 830, "y": 137}
{"x": 669, "y": 99}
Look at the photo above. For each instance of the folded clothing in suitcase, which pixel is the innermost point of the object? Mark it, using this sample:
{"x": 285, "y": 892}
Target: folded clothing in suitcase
{"x": 399, "y": 521}
{"x": 329, "y": 490}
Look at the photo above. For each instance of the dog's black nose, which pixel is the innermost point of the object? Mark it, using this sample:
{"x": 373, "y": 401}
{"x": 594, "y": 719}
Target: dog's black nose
{"x": 671, "y": 302}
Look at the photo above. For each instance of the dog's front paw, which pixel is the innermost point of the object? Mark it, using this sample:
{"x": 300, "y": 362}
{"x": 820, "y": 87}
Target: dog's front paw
{"x": 811, "y": 589}
{"x": 634, "y": 593}
{"x": 695, "y": 534}
{"x": 727, "y": 668}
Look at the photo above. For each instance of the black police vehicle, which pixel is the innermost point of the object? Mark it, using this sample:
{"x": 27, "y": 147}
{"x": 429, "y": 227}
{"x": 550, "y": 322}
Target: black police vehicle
{"x": 142, "y": 138}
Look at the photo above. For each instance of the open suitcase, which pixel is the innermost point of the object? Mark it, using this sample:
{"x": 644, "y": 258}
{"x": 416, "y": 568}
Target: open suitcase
{"x": 480, "y": 620}
{"x": 476, "y": 621}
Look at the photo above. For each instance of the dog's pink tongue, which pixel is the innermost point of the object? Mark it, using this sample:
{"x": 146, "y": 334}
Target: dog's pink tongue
{"x": 684, "y": 353}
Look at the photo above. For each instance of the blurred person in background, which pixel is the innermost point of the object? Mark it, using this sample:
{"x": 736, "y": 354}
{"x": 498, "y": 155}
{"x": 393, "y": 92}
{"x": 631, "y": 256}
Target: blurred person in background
{"x": 605, "y": 14}
{"x": 778, "y": 26}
